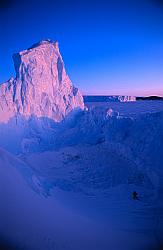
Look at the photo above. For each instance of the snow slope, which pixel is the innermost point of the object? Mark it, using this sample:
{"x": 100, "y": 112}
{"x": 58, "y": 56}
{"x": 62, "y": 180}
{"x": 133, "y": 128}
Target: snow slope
{"x": 96, "y": 159}
{"x": 33, "y": 221}
{"x": 83, "y": 216}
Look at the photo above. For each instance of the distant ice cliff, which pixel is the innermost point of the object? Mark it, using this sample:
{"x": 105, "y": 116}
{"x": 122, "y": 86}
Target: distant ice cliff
{"x": 112, "y": 98}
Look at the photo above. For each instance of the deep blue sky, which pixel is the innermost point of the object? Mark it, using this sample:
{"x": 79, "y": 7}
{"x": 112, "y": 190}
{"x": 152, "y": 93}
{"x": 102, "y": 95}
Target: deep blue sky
{"x": 109, "y": 47}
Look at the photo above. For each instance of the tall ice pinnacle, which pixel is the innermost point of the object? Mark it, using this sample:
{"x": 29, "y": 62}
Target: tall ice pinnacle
{"x": 41, "y": 87}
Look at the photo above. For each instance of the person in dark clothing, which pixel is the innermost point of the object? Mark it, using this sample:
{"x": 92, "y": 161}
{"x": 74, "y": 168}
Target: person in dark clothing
{"x": 135, "y": 195}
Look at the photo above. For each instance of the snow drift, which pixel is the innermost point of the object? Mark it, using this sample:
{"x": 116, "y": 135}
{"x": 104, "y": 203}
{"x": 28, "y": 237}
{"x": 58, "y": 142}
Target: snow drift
{"x": 31, "y": 220}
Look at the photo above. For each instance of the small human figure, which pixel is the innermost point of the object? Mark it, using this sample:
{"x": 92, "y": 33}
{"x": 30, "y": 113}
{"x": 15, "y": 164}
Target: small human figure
{"x": 135, "y": 195}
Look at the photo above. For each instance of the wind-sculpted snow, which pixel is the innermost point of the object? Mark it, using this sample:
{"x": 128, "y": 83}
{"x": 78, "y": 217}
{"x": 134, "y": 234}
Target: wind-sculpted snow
{"x": 96, "y": 132}
{"x": 140, "y": 136}
{"x": 31, "y": 134}
{"x": 41, "y": 87}
{"x": 137, "y": 138}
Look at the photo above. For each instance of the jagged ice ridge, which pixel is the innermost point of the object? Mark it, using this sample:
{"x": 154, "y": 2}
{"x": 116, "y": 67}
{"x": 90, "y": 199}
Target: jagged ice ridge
{"x": 41, "y": 87}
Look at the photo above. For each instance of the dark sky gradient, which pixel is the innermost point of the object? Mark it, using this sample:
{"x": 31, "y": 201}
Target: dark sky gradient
{"x": 109, "y": 47}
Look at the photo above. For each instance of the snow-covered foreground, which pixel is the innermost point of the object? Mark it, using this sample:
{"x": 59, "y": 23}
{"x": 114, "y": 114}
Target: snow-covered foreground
{"x": 74, "y": 190}
{"x": 32, "y": 221}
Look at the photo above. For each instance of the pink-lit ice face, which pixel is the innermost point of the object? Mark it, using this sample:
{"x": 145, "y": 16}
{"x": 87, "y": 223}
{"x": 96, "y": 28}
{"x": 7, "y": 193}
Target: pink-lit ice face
{"x": 110, "y": 47}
